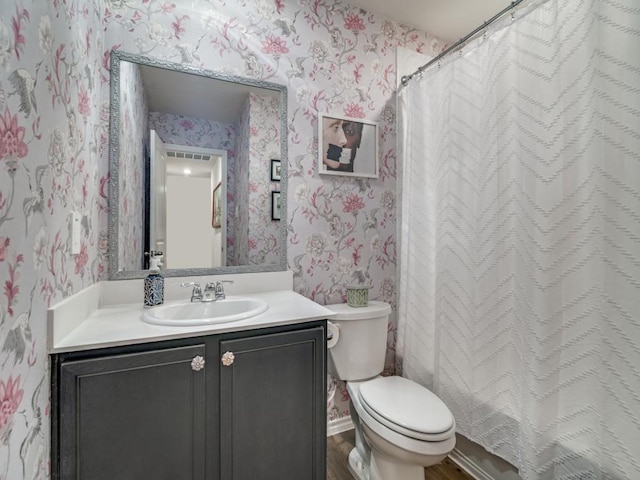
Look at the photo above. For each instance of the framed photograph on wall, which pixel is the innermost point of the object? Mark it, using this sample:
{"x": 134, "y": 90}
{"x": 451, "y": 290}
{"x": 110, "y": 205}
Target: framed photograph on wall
{"x": 275, "y": 205}
{"x": 347, "y": 146}
{"x": 275, "y": 170}
{"x": 216, "y": 207}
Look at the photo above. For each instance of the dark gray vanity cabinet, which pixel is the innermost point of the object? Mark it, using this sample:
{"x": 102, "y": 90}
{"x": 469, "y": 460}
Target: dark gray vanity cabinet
{"x": 254, "y": 409}
{"x": 273, "y": 407}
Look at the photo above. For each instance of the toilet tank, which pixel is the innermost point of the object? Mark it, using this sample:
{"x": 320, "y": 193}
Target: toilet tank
{"x": 361, "y": 346}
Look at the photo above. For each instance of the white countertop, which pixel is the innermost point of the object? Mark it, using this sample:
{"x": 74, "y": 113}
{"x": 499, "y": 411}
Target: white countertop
{"x": 86, "y": 322}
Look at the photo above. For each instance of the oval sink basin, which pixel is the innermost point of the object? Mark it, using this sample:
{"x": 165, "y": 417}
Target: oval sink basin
{"x": 187, "y": 314}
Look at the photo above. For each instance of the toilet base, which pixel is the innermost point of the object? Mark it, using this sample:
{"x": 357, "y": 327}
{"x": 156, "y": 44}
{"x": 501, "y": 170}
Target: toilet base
{"x": 382, "y": 468}
{"x": 357, "y": 466}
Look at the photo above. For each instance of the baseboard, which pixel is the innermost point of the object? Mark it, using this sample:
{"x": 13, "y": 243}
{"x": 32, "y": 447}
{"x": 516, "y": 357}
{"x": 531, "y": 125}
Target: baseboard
{"x": 468, "y": 465}
{"x": 339, "y": 425}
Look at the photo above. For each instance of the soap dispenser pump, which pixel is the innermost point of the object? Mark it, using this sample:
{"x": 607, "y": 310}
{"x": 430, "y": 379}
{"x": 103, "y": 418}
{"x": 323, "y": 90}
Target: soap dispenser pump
{"x": 154, "y": 282}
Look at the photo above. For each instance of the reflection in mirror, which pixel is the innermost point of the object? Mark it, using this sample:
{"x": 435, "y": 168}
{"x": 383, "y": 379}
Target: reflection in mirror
{"x": 190, "y": 170}
{"x": 181, "y": 206}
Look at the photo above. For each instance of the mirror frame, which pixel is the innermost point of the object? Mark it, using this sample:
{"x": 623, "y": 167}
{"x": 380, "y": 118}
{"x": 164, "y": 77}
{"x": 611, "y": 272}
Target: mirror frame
{"x": 115, "y": 273}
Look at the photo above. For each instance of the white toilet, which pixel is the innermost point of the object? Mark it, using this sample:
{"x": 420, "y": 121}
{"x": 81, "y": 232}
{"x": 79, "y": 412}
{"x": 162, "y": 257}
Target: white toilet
{"x": 401, "y": 427}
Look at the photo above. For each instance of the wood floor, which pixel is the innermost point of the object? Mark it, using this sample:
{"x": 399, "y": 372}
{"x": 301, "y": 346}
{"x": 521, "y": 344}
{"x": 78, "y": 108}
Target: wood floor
{"x": 339, "y": 446}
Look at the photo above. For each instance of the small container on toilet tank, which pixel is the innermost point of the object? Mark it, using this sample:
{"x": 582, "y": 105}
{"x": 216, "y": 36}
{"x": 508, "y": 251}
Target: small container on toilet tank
{"x": 357, "y": 295}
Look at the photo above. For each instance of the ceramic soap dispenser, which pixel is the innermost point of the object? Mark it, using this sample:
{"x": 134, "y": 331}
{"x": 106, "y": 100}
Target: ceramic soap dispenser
{"x": 154, "y": 282}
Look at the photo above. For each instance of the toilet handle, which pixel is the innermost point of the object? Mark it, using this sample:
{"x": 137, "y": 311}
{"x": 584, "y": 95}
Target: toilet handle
{"x": 333, "y": 334}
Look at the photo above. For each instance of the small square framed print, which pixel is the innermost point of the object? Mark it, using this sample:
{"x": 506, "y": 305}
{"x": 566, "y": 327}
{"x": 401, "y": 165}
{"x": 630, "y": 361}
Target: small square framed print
{"x": 275, "y": 170}
{"x": 275, "y": 205}
{"x": 347, "y": 146}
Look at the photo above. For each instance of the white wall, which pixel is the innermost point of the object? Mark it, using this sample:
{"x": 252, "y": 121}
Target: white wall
{"x": 189, "y": 231}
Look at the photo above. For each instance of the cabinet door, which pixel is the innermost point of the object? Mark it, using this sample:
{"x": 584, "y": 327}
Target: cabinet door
{"x": 132, "y": 417}
{"x": 273, "y": 407}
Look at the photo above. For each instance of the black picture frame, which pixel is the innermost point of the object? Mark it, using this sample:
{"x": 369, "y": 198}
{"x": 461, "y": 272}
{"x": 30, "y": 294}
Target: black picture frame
{"x": 216, "y": 207}
{"x": 275, "y": 170}
{"x": 275, "y": 206}
{"x": 360, "y": 159}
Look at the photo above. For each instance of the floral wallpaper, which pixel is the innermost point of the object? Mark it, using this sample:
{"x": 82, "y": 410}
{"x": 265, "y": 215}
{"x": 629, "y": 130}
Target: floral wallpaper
{"x": 243, "y": 145}
{"x": 256, "y": 235}
{"x": 54, "y": 77}
{"x": 134, "y": 133}
{"x": 53, "y": 149}
{"x": 193, "y": 132}
{"x": 260, "y": 236}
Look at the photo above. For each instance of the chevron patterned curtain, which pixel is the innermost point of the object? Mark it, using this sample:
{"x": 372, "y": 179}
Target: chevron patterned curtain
{"x": 519, "y": 298}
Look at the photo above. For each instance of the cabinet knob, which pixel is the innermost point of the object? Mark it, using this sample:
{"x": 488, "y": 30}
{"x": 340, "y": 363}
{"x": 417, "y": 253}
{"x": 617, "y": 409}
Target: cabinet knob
{"x": 228, "y": 358}
{"x": 197, "y": 363}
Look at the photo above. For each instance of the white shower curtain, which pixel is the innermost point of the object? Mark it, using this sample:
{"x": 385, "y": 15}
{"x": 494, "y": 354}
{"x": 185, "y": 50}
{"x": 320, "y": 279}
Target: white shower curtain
{"x": 519, "y": 298}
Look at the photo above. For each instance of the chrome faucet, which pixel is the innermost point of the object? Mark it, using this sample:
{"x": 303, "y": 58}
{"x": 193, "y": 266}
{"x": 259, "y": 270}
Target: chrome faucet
{"x": 196, "y": 293}
{"x": 212, "y": 291}
{"x": 215, "y": 291}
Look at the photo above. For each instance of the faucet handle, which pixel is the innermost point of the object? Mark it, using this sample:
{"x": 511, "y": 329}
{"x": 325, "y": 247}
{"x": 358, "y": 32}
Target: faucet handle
{"x": 220, "y": 295}
{"x": 196, "y": 294}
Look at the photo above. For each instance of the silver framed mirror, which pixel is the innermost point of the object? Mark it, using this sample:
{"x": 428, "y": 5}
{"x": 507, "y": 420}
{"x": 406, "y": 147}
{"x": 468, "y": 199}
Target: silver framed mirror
{"x": 217, "y": 218}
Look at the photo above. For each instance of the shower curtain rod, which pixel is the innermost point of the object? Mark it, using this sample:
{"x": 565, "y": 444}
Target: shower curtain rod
{"x": 407, "y": 78}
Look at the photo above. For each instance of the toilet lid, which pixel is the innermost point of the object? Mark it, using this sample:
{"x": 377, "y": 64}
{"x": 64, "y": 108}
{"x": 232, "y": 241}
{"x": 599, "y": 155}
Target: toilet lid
{"x": 406, "y": 407}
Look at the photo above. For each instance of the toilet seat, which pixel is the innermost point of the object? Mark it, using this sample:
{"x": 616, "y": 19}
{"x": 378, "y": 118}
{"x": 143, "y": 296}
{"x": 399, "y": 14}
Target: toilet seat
{"x": 407, "y": 408}
{"x": 440, "y": 444}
